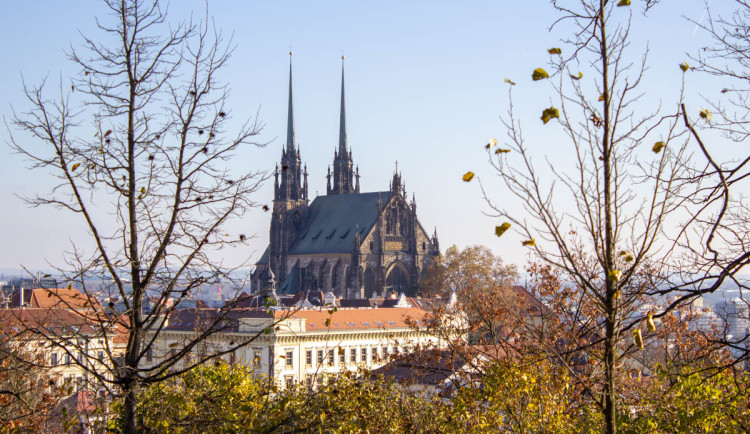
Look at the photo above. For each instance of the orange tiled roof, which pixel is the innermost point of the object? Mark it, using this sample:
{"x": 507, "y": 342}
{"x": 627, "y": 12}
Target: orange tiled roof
{"x": 62, "y": 298}
{"x": 357, "y": 319}
{"x": 53, "y": 321}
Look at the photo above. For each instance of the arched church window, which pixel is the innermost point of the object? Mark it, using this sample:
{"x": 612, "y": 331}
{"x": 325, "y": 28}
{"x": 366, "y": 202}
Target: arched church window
{"x": 389, "y": 223}
{"x": 403, "y": 226}
{"x": 424, "y": 246}
{"x": 297, "y": 221}
{"x": 334, "y": 277}
{"x": 369, "y": 281}
{"x": 397, "y": 280}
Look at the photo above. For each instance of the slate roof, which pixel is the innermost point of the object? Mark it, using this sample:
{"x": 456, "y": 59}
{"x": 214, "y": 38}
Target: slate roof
{"x": 333, "y": 219}
{"x": 292, "y": 284}
{"x": 264, "y": 257}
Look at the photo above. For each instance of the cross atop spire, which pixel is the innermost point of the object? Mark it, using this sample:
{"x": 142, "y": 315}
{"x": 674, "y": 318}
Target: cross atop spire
{"x": 342, "y": 117}
{"x": 290, "y": 117}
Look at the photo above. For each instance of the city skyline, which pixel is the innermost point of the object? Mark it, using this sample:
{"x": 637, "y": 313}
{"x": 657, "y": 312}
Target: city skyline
{"x": 425, "y": 87}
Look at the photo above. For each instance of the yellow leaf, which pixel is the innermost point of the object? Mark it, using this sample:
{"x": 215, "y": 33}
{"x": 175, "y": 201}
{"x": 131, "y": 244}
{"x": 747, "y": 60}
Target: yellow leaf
{"x": 468, "y": 176}
{"x": 493, "y": 141}
{"x": 629, "y": 258}
{"x": 650, "y": 323}
{"x": 549, "y": 113}
{"x": 705, "y": 114}
{"x": 623, "y": 3}
{"x": 74, "y": 167}
{"x": 684, "y": 66}
{"x": 508, "y": 80}
{"x": 107, "y": 133}
{"x": 143, "y": 190}
{"x": 539, "y": 74}
{"x": 638, "y": 338}
{"x": 658, "y": 147}
{"x": 501, "y": 151}
{"x": 601, "y": 97}
{"x": 577, "y": 77}
{"x": 500, "y": 230}
{"x": 615, "y": 275}
{"x": 623, "y": 253}
{"x": 530, "y": 243}
{"x": 554, "y": 51}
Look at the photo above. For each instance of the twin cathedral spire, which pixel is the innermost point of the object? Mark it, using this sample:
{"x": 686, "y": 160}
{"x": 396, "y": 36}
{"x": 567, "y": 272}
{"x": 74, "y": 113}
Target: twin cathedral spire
{"x": 293, "y": 186}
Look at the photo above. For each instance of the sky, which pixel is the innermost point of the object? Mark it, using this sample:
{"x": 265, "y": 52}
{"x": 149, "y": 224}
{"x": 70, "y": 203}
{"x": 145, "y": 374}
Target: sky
{"x": 424, "y": 87}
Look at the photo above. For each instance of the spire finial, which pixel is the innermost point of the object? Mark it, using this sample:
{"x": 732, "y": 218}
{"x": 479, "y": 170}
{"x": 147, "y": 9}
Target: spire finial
{"x": 342, "y": 117}
{"x": 290, "y": 117}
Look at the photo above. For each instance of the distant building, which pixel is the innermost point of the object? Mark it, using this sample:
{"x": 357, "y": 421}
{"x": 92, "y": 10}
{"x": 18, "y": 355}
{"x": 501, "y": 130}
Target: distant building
{"x": 734, "y": 321}
{"x": 67, "y": 343}
{"x": 353, "y": 244}
{"x": 17, "y": 292}
{"x": 440, "y": 371}
{"x": 301, "y": 346}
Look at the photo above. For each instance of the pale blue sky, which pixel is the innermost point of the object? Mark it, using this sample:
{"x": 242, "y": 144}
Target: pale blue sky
{"x": 424, "y": 83}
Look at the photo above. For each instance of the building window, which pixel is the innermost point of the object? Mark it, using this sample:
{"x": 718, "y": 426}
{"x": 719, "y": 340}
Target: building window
{"x": 289, "y": 358}
{"x": 67, "y": 358}
{"x": 256, "y": 359}
{"x": 289, "y": 382}
{"x": 353, "y": 355}
{"x": 342, "y": 356}
{"x": 330, "y": 358}
{"x": 372, "y": 245}
{"x": 424, "y": 246}
{"x": 100, "y": 356}
{"x": 309, "y": 381}
{"x": 320, "y": 357}
{"x": 308, "y": 357}
{"x": 53, "y": 359}
{"x": 363, "y": 357}
{"x": 150, "y": 355}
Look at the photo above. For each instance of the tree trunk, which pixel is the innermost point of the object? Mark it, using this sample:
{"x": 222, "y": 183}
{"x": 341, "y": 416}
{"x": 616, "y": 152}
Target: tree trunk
{"x": 129, "y": 408}
{"x": 610, "y": 358}
{"x": 610, "y": 341}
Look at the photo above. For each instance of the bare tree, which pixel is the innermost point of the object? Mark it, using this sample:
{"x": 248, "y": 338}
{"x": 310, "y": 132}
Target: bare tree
{"x": 723, "y": 241}
{"x": 606, "y": 222}
{"x": 149, "y": 177}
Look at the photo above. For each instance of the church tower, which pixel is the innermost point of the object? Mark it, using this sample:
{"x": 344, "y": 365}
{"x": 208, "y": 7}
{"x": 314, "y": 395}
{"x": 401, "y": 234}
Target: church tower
{"x": 345, "y": 180}
{"x": 290, "y": 196}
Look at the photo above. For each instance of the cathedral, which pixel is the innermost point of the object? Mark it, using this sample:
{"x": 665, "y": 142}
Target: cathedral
{"x": 348, "y": 243}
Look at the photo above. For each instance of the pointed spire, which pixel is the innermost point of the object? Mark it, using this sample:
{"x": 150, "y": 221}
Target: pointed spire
{"x": 342, "y": 119}
{"x": 290, "y": 119}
